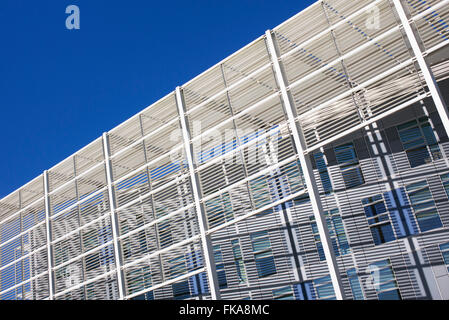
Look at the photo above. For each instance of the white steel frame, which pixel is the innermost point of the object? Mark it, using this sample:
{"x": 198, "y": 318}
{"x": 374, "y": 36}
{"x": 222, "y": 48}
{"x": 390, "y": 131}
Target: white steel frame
{"x": 303, "y": 154}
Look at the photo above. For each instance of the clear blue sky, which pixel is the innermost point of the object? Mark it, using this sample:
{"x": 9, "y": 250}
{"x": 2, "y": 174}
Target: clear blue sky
{"x": 60, "y": 89}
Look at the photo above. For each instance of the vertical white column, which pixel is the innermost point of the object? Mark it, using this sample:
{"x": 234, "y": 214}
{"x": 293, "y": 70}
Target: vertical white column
{"x": 206, "y": 242}
{"x": 51, "y": 278}
{"x": 114, "y": 219}
{"x": 307, "y": 171}
{"x": 427, "y": 73}
{"x": 22, "y": 264}
{"x": 78, "y": 209}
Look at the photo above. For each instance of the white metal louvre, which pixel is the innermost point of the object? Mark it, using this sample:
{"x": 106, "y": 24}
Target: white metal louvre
{"x": 31, "y": 192}
{"x": 23, "y": 241}
{"x": 341, "y": 74}
{"x": 61, "y": 174}
{"x": 89, "y": 157}
{"x": 346, "y": 70}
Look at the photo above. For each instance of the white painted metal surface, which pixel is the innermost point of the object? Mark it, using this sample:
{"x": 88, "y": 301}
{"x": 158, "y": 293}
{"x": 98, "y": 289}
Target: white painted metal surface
{"x": 427, "y": 73}
{"x": 240, "y": 93}
{"x": 308, "y": 173}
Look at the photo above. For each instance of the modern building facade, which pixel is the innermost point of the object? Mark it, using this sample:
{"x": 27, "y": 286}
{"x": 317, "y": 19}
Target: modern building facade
{"x": 312, "y": 164}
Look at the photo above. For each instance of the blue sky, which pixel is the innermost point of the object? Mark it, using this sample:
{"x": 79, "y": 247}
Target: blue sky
{"x": 60, "y": 89}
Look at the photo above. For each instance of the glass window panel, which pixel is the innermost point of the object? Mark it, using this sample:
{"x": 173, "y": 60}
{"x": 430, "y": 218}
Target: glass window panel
{"x": 354, "y": 282}
{"x": 345, "y": 154}
{"x": 419, "y": 142}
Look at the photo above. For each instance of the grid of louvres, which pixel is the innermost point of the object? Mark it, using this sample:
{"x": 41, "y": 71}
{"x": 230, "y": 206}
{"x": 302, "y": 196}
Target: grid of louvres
{"x": 379, "y": 183}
